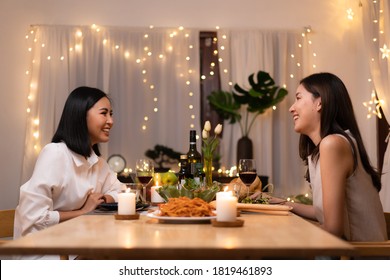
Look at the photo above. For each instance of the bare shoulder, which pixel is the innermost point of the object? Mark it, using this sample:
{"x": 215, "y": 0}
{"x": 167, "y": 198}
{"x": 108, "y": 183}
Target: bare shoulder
{"x": 334, "y": 142}
{"x": 337, "y": 151}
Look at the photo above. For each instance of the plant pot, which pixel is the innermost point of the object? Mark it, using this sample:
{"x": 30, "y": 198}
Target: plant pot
{"x": 244, "y": 148}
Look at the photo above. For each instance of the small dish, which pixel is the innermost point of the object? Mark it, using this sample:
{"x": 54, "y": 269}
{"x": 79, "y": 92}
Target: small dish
{"x": 108, "y": 206}
{"x": 114, "y": 206}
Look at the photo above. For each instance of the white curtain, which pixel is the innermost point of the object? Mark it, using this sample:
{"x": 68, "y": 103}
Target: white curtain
{"x": 275, "y": 144}
{"x": 151, "y": 75}
{"x": 376, "y": 24}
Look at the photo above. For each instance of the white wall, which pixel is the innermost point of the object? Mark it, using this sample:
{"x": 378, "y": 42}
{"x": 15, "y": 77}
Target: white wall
{"x": 337, "y": 42}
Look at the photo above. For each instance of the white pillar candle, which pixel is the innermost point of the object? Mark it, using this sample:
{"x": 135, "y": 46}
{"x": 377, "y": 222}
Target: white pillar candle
{"x": 155, "y": 196}
{"x": 226, "y": 207}
{"x": 126, "y": 203}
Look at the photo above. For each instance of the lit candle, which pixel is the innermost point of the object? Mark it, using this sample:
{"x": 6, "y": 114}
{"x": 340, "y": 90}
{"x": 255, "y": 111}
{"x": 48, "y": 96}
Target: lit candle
{"x": 155, "y": 196}
{"x": 226, "y": 207}
{"x": 126, "y": 203}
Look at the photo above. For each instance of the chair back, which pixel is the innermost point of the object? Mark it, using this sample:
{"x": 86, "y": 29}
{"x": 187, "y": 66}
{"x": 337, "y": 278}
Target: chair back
{"x": 387, "y": 218}
{"x": 7, "y": 223}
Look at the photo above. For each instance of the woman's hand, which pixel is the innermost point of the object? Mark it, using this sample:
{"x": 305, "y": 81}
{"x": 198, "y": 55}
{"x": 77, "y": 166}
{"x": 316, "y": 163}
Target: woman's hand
{"x": 93, "y": 200}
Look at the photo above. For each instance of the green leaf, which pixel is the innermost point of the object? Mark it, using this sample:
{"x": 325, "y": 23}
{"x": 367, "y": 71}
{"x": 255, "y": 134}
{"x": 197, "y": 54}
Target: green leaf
{"x": 262, "y": 94}
{"x": 225, "y": 105}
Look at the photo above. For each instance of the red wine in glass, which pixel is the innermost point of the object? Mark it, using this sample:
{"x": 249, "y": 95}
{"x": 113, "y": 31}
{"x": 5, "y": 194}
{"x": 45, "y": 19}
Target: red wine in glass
{"x": 247, "y": 172}
{"x": 144, "y": 179}
{"x": 144, "y": 173}
{"x": 248, "y": 177}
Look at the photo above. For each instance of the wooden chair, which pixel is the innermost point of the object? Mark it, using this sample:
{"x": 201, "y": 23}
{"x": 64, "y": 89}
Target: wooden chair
{"x": 6, "y": 224}
{"x": 375, "y": 249}
{"x": 7, "y": 228}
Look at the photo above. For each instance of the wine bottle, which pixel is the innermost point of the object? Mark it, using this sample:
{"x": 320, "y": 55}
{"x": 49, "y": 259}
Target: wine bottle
{"x": 183, "y": 172}
{"x": 194, "y": 159}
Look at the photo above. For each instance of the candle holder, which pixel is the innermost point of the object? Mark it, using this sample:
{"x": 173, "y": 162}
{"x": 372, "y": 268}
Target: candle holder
{"x": 236, "y": 223}
{"x": 127, "y": 217}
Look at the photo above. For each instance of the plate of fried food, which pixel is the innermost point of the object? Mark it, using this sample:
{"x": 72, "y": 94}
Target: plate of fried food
{"x": 184, "y": 210}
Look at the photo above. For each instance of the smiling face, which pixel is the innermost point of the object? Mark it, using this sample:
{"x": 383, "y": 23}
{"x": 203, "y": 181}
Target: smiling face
{"x": 100, "y": 121}
{"x": 306, "y": 112}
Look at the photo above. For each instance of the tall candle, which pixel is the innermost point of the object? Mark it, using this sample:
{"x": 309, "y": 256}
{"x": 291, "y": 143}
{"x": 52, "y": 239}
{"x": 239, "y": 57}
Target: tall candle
{"x": 226, "y": 207}
{"x": 126, "y": 203}
{"x": 155, "y": 196}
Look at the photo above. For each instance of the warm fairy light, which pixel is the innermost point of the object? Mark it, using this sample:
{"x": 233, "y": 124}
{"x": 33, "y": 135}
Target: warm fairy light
{"x": 373, "y": 106}
{"x": 350, "y": 14}
{"x": 385, "y": 51}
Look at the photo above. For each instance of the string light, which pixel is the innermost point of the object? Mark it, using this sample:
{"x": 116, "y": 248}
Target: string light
{"x": 77, "y": 47}
{"x": 385, "y": 51}
{"x": 373, "y": 106}
{"x": 350, "y": 14}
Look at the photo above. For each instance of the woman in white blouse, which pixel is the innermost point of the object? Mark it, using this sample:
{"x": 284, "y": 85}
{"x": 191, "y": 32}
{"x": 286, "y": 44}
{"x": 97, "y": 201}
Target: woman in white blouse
{"x": 70, "y": 178}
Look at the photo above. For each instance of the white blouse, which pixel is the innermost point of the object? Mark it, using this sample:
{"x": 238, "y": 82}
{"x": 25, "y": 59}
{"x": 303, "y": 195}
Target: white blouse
{"x": 61, "y": 181}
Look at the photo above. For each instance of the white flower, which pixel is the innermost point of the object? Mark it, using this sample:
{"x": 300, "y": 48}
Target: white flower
{"x": 207, "y": 126}
{"x": 205, "y": 134}
{"x": 218, "y": 129}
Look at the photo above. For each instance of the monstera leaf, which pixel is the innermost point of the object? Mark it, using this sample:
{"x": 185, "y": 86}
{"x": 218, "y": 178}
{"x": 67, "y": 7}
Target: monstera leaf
{"x": 225, "y": 105}
{"x": 262, "y": 94}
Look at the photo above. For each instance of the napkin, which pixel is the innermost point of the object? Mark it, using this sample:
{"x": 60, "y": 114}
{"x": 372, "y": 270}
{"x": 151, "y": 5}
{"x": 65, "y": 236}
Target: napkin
{"x": 254, "y": 187}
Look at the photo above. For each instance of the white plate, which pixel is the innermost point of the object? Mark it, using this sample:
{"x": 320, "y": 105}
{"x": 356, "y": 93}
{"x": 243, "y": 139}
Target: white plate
{"x": 168, "y": 219}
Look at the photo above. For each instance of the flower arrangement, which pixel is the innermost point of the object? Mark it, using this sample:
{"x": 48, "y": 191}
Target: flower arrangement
{"x": 192, "y": 188}
{"x": 209, "y": 146}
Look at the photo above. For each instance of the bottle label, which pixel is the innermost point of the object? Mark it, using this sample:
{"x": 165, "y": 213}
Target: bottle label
{"x": 193, "y": 168}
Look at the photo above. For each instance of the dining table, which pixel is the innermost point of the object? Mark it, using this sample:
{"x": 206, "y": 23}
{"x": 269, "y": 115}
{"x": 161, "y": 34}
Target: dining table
{"x": 103, "y": 236}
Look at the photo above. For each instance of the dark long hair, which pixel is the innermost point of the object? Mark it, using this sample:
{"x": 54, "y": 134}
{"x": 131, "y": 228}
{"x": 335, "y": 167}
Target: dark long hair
{"x": 337, "y": 115}
{"x": 73, "y": 129}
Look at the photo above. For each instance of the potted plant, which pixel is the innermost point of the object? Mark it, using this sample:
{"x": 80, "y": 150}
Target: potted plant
{"x": 262, "y": 94}
{"x": 162, "y": 155}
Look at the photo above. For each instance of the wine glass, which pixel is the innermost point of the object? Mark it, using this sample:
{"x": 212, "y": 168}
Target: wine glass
{"x": 247, "y": 172}
{"x": 144, "y": 169}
